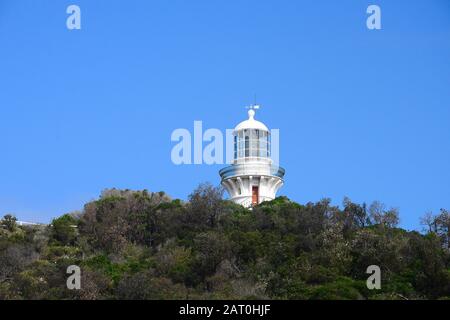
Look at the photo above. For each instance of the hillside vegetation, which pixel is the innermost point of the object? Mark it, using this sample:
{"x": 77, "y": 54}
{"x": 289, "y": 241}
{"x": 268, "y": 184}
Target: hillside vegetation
{"x": 143, "y": 245}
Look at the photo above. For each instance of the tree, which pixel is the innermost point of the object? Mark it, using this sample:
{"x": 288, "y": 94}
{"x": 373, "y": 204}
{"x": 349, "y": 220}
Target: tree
{"x": 9, "y": 222}
{"x": 64, "y": 229}
{"x": 442, "y": 223}
{"x": 211, "y": 248}
{"x": 207, "y": 203}
{"x": 104, "y": 224}
{"x": 95, "y": 286}
{"x": 430, "y": 266}
{"x": 429, "y": 221}
{"x": 14, "y": 259}
{"x": 145, "y": 286}
{"x": 439, "y": 225}
{"x": 353, "y": 217}
{"x": 176, "y": 263}
{"x": 383, "y": 217}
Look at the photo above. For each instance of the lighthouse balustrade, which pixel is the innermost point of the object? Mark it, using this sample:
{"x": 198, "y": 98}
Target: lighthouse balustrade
{"x": 252, "y": 169}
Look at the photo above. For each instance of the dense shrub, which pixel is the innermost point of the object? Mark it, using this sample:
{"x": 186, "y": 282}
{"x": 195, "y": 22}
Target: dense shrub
{"x": 144, "y": 245}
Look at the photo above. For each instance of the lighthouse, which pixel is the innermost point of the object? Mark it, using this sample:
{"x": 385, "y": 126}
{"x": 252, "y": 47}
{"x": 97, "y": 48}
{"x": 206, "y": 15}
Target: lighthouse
{"x": 253, "y": 177}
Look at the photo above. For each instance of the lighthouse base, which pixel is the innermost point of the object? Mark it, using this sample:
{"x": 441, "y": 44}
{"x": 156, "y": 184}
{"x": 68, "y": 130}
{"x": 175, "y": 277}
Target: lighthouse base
{"x": 249, "y": 191}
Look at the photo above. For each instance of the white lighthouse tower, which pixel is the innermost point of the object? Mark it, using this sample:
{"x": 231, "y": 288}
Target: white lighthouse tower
{"x": 252, "y": 177}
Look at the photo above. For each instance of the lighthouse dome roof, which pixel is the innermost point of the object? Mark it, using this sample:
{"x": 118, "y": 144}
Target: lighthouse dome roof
{"x": 251, "y": 123}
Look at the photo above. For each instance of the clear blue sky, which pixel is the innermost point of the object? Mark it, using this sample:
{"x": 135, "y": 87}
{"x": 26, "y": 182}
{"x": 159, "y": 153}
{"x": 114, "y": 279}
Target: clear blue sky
{"x": 363, "y": 114}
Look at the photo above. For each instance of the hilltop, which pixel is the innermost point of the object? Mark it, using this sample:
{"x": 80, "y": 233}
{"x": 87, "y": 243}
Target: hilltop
{"x": 144, "y": 245}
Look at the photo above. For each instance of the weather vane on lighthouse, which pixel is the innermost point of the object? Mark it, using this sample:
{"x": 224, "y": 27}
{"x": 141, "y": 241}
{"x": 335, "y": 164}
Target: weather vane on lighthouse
{"x": 253, "y": 107}
{"x": 252, "y": 177}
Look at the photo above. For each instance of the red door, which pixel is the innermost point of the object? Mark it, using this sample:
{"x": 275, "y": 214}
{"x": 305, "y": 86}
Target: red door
{"x": 255, "y": 195}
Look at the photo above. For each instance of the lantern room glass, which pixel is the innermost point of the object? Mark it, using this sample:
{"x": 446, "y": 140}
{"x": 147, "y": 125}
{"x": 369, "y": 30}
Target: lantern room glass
{"x": 251, "y": 143}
